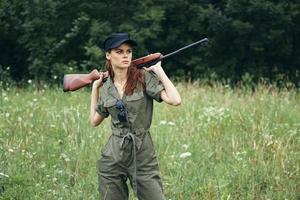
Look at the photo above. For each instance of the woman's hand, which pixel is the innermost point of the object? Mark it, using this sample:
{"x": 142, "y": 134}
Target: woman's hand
{"x": 99, "y": 82}
{"x": 157, "y": 69}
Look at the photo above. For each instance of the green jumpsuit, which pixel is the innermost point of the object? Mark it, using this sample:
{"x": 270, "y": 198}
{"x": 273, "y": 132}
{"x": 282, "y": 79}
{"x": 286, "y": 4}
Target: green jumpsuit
{"x": 129, "y": 152}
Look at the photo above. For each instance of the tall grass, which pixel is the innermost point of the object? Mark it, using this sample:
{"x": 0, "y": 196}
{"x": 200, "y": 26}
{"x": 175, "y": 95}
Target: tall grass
{"x": 221, "y": 143}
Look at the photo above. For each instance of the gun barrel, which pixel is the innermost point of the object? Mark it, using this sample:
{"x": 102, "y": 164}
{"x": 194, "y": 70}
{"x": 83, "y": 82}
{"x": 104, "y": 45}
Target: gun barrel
{"x": 202, "y": 41}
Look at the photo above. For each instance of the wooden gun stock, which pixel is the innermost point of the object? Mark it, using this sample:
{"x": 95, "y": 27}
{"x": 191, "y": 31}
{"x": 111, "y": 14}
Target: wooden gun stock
{"x": 74, "y": 82}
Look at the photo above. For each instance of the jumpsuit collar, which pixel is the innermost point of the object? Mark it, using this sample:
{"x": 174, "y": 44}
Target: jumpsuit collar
{"x": 112, "y": 90}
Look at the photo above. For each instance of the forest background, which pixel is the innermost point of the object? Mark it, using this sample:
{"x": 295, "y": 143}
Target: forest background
{"x": 250, "y": 41}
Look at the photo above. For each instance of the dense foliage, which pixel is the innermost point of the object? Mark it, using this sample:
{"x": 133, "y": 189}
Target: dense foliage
{"x": 249, "y": 40}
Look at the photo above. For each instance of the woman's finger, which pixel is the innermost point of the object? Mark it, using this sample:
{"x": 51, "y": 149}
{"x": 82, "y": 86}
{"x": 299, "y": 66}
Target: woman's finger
{"x": 147, "y": 68}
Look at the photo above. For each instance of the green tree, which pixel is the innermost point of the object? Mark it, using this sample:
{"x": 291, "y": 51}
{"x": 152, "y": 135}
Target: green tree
{"x": 258, "y": 39}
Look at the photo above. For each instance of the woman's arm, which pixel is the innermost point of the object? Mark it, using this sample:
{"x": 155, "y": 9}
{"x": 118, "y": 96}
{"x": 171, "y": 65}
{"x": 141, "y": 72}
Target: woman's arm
{"x": 95, "y": 118}
{"x": 170, "y": 95}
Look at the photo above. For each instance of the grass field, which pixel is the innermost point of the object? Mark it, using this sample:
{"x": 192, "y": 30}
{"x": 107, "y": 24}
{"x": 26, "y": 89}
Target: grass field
{"x": 221, "y": 143}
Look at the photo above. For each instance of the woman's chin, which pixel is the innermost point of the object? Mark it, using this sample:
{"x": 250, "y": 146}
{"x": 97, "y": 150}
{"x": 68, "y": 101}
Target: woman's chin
{"x": 125, "y": 65}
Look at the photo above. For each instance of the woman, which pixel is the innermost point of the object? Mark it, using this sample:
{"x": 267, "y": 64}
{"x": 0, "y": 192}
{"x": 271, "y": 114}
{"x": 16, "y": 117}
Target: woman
{"x": 127, "y": 96}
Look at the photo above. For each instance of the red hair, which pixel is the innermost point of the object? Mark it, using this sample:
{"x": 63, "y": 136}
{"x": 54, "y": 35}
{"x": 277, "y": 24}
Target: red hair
{"x": 135, "y": 77}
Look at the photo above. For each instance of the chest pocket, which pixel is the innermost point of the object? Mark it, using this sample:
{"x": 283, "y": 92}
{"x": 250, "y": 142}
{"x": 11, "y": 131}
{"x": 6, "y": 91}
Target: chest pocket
{"x": 135, "y": 101}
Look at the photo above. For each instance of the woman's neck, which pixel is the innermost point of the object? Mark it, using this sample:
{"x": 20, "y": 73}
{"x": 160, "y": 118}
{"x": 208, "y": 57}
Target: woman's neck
{"x": 120, "y": 76}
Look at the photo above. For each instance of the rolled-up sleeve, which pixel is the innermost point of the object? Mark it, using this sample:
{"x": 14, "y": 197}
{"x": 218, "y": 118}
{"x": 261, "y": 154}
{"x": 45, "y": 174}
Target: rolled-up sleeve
{"x": 153, "y": 86}
{"x": 100, "y": 107}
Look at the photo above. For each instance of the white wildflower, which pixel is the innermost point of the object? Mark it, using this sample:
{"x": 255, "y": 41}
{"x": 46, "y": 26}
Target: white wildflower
{"x": 29, "y": 81}
{"x": 11, "y": 150}
{"x": 5, "y": 98}
{"x": 171, "y": 123}
{"x": 2, "y": 174}
{"x": 54, "y": 179}
{"x": 64, "y": 157}
{"x": 30, "y": 156}
{"x": 34, "y": 100}
{"x": 185, "y": 155}
{"x": 163, "y": 122}
{"x": 7, "y": 115}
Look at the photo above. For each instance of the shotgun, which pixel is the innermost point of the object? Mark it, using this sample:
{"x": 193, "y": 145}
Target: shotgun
{"x": 72, "y": 82}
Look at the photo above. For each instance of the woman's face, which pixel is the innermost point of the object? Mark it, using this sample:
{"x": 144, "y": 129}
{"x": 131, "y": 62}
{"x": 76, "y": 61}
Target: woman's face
{"x": 121, "y": 56}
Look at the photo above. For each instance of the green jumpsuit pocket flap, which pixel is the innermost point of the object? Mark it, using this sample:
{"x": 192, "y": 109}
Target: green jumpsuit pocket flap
{"x": 135, "y": 96}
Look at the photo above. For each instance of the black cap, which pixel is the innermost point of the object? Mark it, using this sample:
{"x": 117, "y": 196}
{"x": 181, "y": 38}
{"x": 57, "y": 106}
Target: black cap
{"x": 116, "y": 39}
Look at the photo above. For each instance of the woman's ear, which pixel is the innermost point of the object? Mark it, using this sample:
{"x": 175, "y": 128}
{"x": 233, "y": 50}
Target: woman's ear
{"x": 107, "y": 55}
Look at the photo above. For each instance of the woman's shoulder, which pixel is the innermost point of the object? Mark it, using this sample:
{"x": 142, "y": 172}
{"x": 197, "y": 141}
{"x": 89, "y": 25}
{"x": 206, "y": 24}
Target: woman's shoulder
{"x": 106, "y": 86}
{"x": 149, "y": 75}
